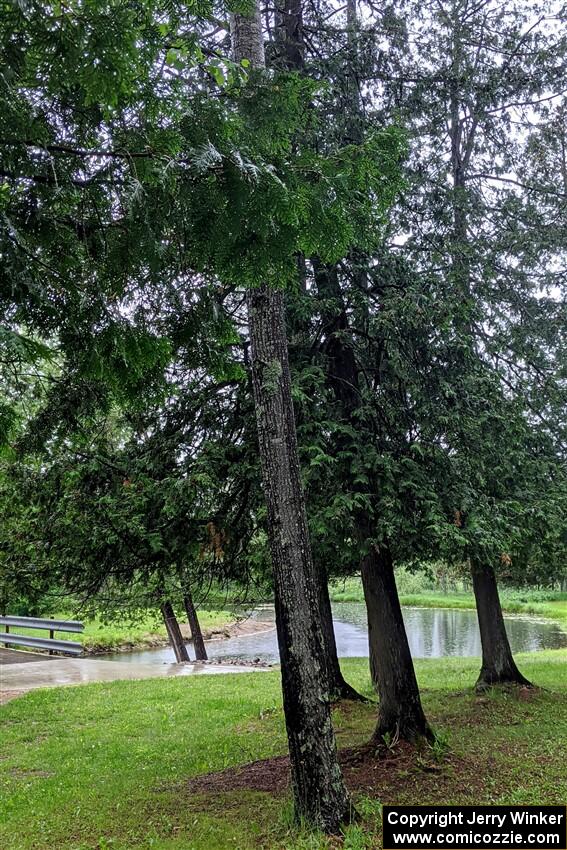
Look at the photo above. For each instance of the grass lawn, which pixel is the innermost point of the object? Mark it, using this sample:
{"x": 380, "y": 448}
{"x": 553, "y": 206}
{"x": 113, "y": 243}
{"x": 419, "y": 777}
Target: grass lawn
{"x": 100, "y": 636}
{"x": 549, "y": 604}
{"x": 110, "y": 765}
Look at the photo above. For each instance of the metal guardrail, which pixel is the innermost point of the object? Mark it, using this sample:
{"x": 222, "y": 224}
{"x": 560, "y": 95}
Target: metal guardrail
{"x": 51, "y": 644}
{"x": 42, "y": 623}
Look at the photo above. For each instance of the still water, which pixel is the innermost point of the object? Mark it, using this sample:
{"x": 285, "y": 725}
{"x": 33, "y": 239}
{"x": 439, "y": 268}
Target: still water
{"x": 432, "y": 633}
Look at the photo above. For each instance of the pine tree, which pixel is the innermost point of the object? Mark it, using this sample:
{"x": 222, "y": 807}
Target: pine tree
{"x": 319, "y": 792}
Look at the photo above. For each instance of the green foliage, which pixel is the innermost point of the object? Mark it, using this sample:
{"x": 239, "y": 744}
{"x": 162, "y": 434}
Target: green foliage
{"x": 454, "y": 442}
{"x": 147, "y": 181}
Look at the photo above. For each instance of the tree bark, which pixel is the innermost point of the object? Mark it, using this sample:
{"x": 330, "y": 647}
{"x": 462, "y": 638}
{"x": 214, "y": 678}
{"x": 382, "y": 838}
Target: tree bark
{"x": 339, "y": 688}
{"x": 400, "y": 713}
{"x": 320, "y": 795}
{"x": 319, "y": 792}
{"x": 195, "y": 626}
{"x": 498, "y": 665}
{"x": 291, "y": 46}
{"x": 174, "y": 632}
{"x": 246, "y": 37}
{"x": 289, "y": 36}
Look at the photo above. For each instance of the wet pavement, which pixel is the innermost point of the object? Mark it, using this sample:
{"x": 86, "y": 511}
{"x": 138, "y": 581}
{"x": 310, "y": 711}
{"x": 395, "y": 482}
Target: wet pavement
{"x": 24, "y": 671}
{"x": 432, "y": 633}
{"x": 13, "y": 656}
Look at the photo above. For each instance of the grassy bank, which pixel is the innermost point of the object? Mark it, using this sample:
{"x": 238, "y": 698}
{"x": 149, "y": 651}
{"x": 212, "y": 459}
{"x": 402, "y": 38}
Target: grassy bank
{"x": 540, "y": 603}
{"x": 554, "y": 609}
{"x": 109, "y": 767}
{"x": 100, "y": 636}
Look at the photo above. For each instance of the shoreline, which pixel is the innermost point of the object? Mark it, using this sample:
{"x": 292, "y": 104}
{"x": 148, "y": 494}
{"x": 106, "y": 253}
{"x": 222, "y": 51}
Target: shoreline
{"x": 247, "y": 626}
{"x": 226, "y": 631}
{"x": 513, "y": 609}
{"x": 536, "y": 610}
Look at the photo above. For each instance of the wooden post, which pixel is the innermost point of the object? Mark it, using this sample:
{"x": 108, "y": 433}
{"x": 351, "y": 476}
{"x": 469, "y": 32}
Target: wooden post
{"x": 51, "y": 636}
{"x": 195, "y": 626}
{"x": 174, "y": 632}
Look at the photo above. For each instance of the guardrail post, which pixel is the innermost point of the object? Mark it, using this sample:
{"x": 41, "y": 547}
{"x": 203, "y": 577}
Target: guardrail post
{"x": 51, "y": 636}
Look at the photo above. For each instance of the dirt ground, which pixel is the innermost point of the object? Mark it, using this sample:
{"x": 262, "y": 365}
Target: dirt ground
{"x": 381, "y": 773}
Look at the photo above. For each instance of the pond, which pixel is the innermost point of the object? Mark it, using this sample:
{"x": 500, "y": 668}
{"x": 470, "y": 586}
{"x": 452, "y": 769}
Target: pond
{"x": 432, "y": 633}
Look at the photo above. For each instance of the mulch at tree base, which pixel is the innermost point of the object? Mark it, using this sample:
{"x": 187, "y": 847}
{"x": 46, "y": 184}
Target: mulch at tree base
{"x": 381, "y": 772}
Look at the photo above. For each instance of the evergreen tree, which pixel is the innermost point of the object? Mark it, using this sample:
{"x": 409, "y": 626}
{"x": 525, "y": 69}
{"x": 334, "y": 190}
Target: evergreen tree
{"x": 480, "y": 235}
{"x": 318, "y": 786}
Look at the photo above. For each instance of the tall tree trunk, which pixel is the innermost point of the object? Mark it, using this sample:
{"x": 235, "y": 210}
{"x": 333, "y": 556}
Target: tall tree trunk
{"x": 320, "y": 795}
{"x": 195, "y": 626}
{"x": 174, "y": 632}
{"x": 290, "y": 51}
{"x": 319, "y": 792}
{"x": 289, "y": 36}
{"x": 497, "y": 662}
{"x": 400, "y": 713}
{"x": 498, "y": 665}
{"x": 339, "y": 688}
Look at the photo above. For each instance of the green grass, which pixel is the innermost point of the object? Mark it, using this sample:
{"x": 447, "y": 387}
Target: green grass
{"x": 106, "y": 766}
{"x": 539, "y": 603}
{"x": 100, "y": 636}
{"x": 555, "y": 609}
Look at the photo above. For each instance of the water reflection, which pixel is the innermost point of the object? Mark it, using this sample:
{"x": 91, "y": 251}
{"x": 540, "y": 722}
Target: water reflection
{"x": 432, "y": 633}
{"x": 437, "y": 632}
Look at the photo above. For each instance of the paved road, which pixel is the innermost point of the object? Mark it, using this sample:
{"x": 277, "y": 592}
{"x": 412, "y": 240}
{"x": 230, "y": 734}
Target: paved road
{"x": 13, "y": 656}
{"x": 23, "y": 671}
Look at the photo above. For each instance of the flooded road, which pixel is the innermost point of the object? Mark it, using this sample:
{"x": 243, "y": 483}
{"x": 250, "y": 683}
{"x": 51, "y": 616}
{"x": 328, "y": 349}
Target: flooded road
{"x": 432, "y": 633}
